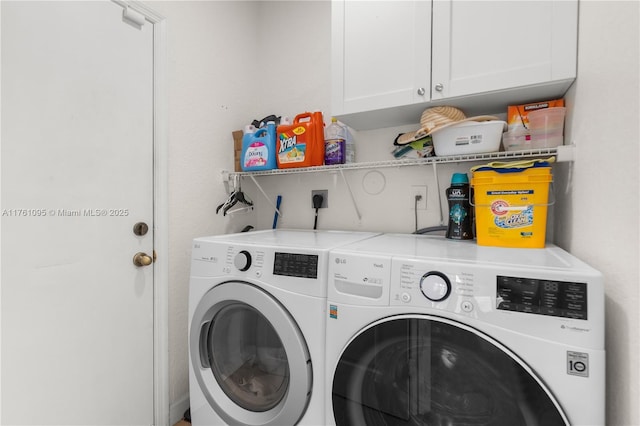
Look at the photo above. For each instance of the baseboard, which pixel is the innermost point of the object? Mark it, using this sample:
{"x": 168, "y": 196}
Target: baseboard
{"x": 178, "y": 408}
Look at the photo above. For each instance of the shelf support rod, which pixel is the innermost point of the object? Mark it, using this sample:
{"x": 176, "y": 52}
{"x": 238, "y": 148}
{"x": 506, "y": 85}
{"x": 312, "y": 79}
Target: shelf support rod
{"x": 435, "y": 178}
{"x": 353, "y": 200}
{"x": 266, "y": 196}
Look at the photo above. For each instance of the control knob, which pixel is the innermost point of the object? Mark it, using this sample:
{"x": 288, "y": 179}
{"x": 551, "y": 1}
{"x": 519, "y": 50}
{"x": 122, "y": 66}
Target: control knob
{"x": 435, "y": 286}
{"x": 242, "y": 261}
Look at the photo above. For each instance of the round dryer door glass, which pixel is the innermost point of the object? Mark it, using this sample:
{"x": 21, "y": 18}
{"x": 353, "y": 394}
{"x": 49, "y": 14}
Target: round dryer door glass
{"x": 247, "y": 358}
{"x": 423, "y": 370}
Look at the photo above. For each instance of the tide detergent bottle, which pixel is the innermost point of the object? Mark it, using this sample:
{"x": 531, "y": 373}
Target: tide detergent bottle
{"x": 259, "y": 148}
{"x": 301, "y": 144}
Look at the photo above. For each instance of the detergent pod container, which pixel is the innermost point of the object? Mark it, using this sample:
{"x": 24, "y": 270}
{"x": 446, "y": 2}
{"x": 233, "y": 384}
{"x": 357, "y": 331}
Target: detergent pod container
{"x": 511, "y": 201}
{"x": 301, "y": 143}
{"x": 259, "y": 148}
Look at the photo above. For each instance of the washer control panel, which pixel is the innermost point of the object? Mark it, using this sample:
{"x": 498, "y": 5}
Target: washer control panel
{"x": 444, "y": 286}
{"x": 543, "y": 297}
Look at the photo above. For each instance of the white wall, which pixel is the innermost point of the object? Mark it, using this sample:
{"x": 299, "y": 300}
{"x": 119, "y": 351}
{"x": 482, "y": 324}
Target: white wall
{"x": 211, "y": 75}
{"x": 599, "y": 221}
{"x": 231, "y": 62}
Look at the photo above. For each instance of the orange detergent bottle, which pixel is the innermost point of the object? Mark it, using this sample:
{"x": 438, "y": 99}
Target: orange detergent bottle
{"x": 301, "y": 144}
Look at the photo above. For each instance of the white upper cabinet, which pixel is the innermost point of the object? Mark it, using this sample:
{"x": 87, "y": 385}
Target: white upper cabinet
{"x": 381, "y": 54}
{"x": 483, "y": 46}
{"x": 393, "y": 59}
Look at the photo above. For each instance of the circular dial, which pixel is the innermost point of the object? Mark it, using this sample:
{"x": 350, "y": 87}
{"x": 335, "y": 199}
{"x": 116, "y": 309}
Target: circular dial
{"x": 435, "y": 286}
{"x": 242, "y": 261}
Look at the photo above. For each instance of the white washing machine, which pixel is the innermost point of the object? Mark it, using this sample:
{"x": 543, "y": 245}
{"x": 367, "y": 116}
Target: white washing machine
{"x": 422, "y": 330}
{"x": 257, "y": 304}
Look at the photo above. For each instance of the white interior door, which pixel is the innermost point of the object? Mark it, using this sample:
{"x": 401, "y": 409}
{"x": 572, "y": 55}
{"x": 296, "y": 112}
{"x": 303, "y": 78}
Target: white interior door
{"x": 77, "y": 174}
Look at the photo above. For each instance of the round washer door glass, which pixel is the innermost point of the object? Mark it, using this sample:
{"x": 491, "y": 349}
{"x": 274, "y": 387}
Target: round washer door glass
{"x": 247, "y": 358}
{"x": 424, "y": 370}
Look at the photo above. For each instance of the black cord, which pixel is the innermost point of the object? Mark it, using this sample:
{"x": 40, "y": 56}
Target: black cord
{"x": 415, "y": 209}
{"x": 317, "y": 203}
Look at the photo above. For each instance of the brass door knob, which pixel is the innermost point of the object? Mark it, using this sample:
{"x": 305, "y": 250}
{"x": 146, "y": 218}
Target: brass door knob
{"x": 142, "y": 259}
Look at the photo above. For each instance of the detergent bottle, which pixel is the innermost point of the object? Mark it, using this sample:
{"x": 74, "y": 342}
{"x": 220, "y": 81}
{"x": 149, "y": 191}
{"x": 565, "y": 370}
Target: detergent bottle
{"x": 301, "y": 143}
{"x": 259, "y": 148}
{"x": 335, "y": 141}
{"x": 460, "y": 225}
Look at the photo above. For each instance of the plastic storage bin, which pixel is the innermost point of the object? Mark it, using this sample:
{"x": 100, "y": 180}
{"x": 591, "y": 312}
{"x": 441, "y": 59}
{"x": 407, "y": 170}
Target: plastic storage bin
{"x": 547, "y": 127}
{"x": 469, "y": 138}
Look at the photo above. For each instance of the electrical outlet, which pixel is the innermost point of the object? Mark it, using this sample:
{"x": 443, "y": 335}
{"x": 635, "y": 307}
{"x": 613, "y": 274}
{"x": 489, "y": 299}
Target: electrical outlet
{"x": 421, "y": 192}
{"x": 325, "y": 197}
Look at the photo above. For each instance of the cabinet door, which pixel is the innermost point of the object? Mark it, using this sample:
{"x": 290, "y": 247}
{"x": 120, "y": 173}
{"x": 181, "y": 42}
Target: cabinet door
{"x": 485, "y": 46}
{"x": 380, "y": 54}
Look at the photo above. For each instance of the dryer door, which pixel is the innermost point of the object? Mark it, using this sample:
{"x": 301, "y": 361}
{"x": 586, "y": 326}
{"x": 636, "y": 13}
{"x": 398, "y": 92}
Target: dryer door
{"x": 249, "y": 357}
{"x": 425, "y": 370}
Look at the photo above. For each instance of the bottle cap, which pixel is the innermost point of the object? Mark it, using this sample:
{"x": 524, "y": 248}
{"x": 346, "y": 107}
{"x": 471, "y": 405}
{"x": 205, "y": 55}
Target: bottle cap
{"x": 459, "y": 178}
{"x": 334, "y": 120}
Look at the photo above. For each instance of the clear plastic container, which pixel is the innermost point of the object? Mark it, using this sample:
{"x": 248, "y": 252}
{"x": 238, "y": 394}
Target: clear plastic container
{"x": 547, "y": 127}
{"x": 516, "y": 140}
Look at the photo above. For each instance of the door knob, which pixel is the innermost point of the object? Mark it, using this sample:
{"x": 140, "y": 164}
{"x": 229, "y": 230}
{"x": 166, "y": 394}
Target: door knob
{"x": 142, "y": 259}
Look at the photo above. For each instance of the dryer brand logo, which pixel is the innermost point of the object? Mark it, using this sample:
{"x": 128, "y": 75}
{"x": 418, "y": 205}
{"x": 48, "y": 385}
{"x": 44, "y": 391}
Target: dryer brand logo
{"x": 340, "y": 260}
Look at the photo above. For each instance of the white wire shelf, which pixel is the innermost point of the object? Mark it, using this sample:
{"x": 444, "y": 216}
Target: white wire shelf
{"x": 562, "y": 153}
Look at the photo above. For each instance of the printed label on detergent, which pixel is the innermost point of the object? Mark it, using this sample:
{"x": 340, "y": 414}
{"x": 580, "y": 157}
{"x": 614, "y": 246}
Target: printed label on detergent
{"x": 256, "y": 155}
{"x": 511, "y": 217}
{"x": 290, "y": 150}
{"x": 334, "y": 151}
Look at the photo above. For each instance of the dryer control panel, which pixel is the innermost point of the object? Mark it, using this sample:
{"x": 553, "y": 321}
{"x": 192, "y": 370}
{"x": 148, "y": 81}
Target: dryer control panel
{"x": 295, "y": 265}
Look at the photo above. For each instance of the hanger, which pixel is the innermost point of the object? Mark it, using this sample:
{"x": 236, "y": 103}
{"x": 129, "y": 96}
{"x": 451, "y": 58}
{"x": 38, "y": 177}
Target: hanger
{"x": 236, "y": 196}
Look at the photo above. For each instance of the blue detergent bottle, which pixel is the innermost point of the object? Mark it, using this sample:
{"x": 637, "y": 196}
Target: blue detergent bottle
{"x": 259, "y": 149}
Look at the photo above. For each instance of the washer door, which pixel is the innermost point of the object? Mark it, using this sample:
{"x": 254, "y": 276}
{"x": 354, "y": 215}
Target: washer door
{"x": 425, "y": 370}
{"x": 249, "y": 357}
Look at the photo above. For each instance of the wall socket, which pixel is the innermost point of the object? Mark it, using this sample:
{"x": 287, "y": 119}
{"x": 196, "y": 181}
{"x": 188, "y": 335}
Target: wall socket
{"x": 325, "y": 197}
{"x": 420, "y": 191}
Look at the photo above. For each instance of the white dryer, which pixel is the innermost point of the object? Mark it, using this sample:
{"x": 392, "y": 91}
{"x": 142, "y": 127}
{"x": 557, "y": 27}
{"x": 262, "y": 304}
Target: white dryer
{"x": 422, "y": 330}
{"x": 257, "y": 304}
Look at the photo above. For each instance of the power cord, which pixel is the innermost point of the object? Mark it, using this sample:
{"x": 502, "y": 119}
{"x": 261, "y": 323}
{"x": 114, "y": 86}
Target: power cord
{"x": 418, "y": 197}
{"x": 317, "y": 203}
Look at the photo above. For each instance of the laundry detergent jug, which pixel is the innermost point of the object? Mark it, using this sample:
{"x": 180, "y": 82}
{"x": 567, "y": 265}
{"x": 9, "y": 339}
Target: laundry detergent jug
{"x": 301, "y": 144}
{"x": 259, "y": 149}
